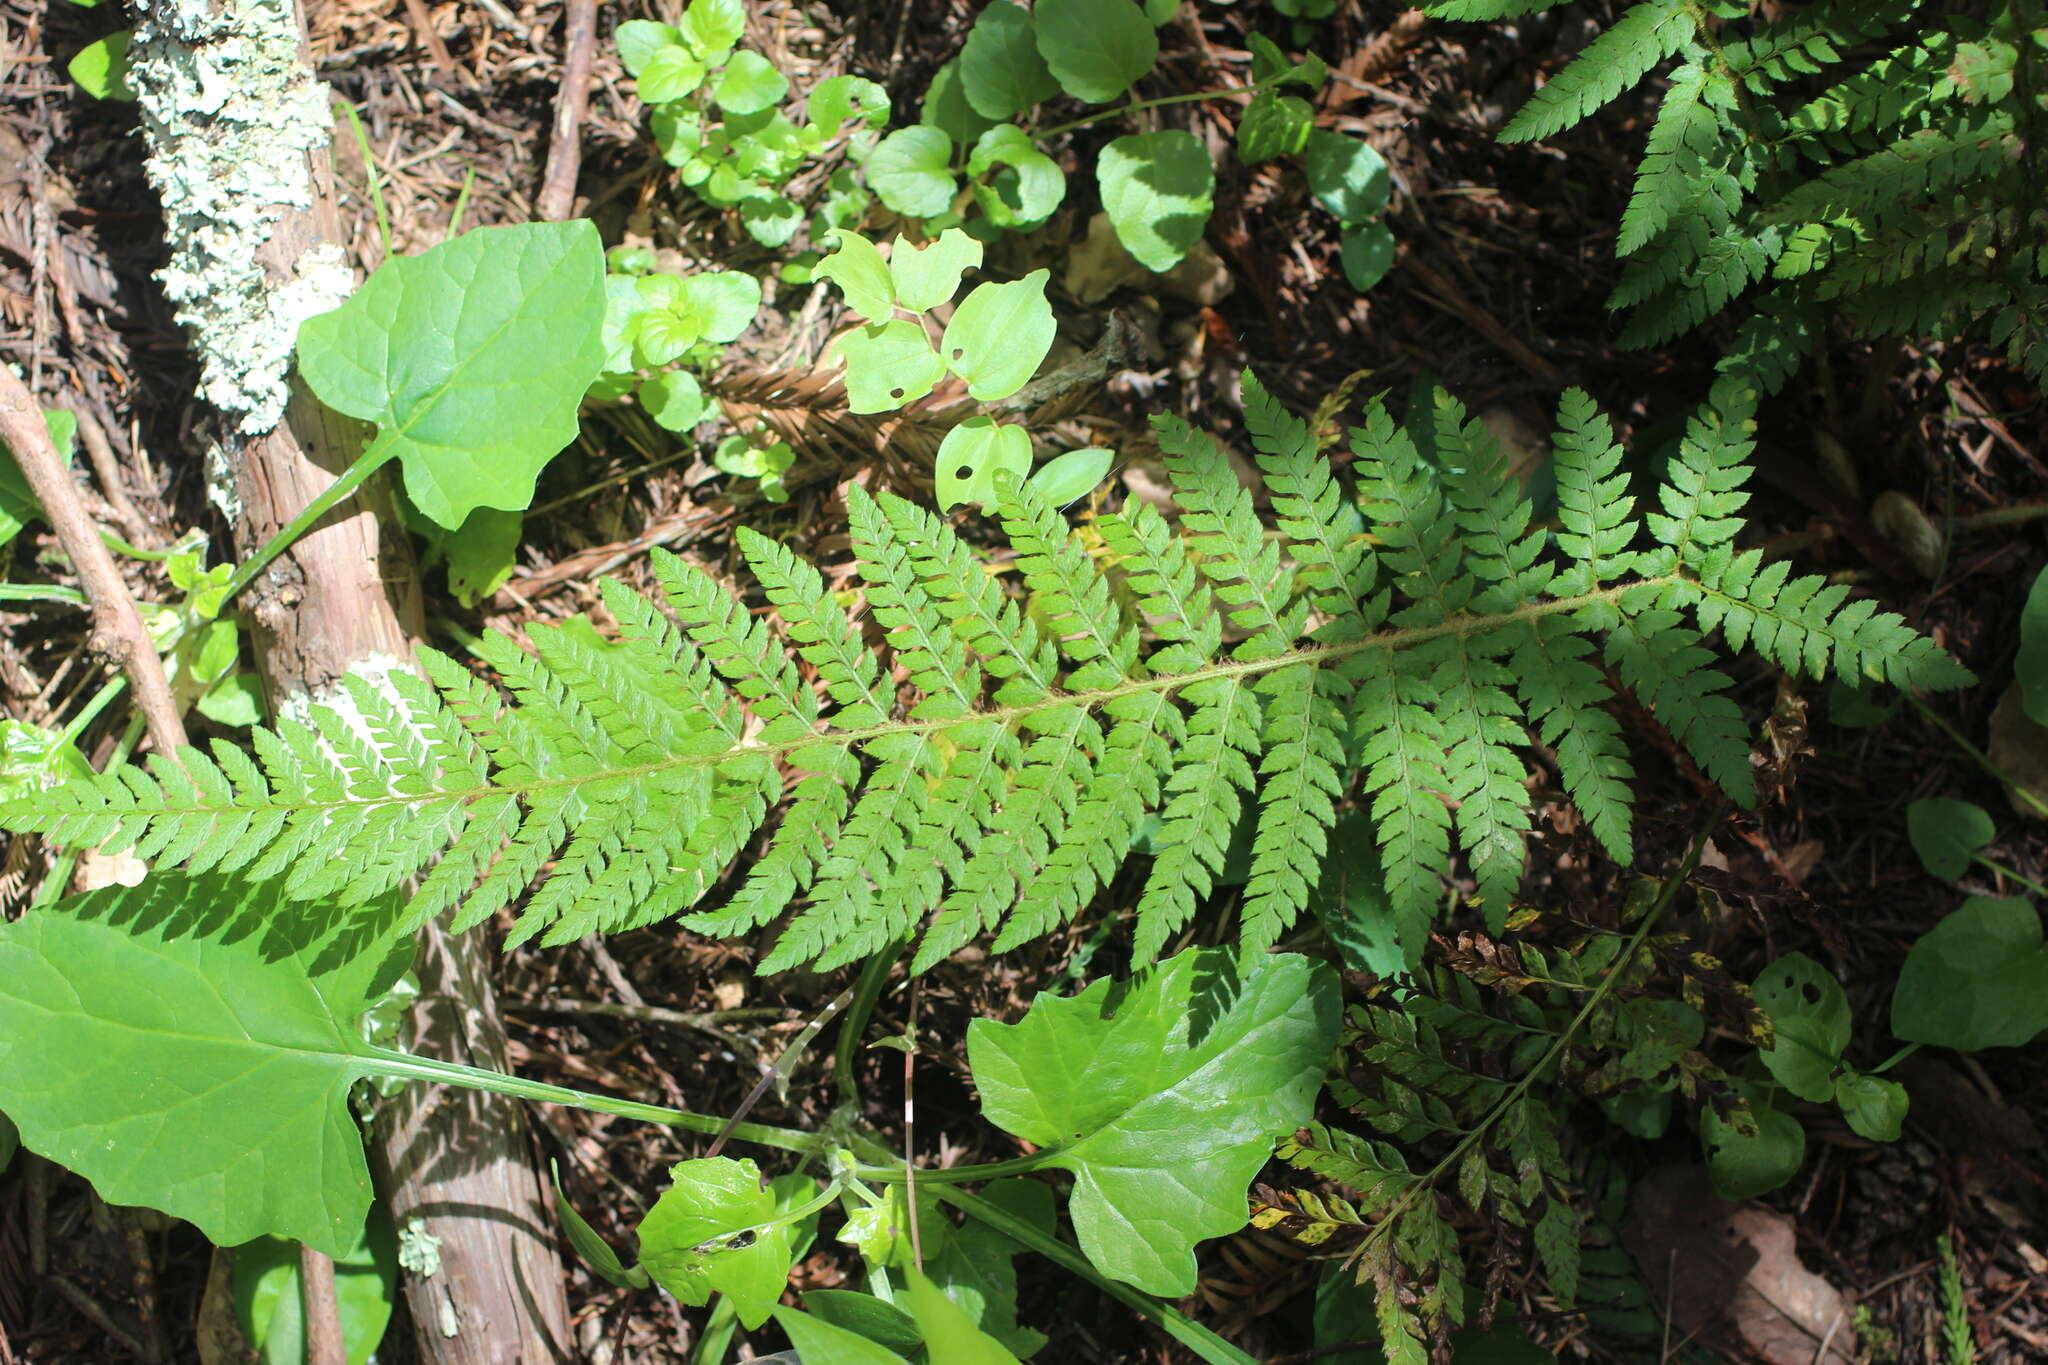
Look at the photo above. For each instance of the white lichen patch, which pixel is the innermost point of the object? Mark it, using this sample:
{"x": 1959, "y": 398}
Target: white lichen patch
{"x": 230, "y": 112}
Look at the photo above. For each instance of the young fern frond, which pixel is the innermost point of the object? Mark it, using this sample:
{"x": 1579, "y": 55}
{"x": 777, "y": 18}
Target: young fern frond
{"x": 1150, "y": 690}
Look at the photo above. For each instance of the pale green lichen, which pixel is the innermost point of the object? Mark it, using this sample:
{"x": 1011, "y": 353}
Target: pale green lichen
{"x": 230, "y": 111}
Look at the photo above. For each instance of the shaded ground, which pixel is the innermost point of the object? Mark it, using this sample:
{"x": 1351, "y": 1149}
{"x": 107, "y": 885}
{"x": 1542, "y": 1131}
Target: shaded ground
{"x": 1506, "y": 258}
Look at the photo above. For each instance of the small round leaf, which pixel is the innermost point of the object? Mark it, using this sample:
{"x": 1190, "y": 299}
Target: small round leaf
{"x": 1874, "y": 1107}
{"x": 910, "y": 169}
{"x": 713, "y": 27}
{"x": 1347, "y": 176}
{"x": 927, "y": 276}
{"x": 840, "y": 98}
{"x": 1001, "y": 71}
{"x": 1945, "y": 832}
{"x": 1096, "y": 49}
{"x": 673, "y": 399}
{"x": 750, "y": 84}
{"x": 1745, "y": 1167}
{"x": 670, "y": 74}
{"x": 1368, "y": 254}
{"x": 971, "y": 456}
{"x": 1978, "y": 979}
{"x": 1158, "y": 190}
{"x": 724, "y": 301}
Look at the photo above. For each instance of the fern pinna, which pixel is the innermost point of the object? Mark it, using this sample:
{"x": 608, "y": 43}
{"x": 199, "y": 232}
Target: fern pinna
{"x": 988, "y": 767}
{"x": 1866, "y": 161}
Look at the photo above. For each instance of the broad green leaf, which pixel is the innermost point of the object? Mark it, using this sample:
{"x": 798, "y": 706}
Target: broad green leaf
{"x": 669, "y": 73}
{"x": 750, "y": 84}
{"x": 977, "y": 1268}
{"x": 10, "y": 1142}
{"x": 682, "y": 1238}
{"x": 1745, "y": 1167}
{"x": 595, "y": 1251}
{"x": 18, "y": 505}
{"x": 481, "y": 553}
{"x": 471, "y": 358}
{"x": 1027, "y": 185}
{"x": 945, "y": 107}
{"x": 1072, "y": 476}
{"x": 101, "y": 68}
{"x": 1347, "y": 176}
{"x": 1001, "y": 71}
{"x": 1874, "y": 1107}
{"x": 725, "y": 302}
{"x": 1162, "y": 1097}
{"x": 838, "y": 98}
{"x": 1273, "y": 125}
{"x": 640, "y": 39}
{"x": 1157, "y": 189}
{"x": 863, "y": 277}
{"x": 189, "y": 1045}
{"x": 1945, "y": 832}
{"x": 817, "y": 1339}
{"x": 928, "y": 276}
{"x": 950, "y": 1334}
{"x": 269, "y": 1306}
{"x": 1978, "y": 979}
{"x": 888, "y": 366}
{"x": 235, "y": 700}
{"x": 910, "y": 169}
{"x": 679, "y": 132}
{"x": 1095, "y": 49}
{"x": 674, "y": 399}
{"x": 714, "y": 27}
{"x": 880, "y": 1322}
{"x": 623, "y": 305}
{"x": 1810, "y": 1017}
{"x": 971, "y": 457}
{"x": 1368, "y": 254}
{"x": 2030, "y": 669}
{"x": 998, "y": 335}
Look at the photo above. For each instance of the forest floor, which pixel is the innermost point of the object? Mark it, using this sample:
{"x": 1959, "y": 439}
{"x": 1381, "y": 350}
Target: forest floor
{"x": 1498, "y": 294}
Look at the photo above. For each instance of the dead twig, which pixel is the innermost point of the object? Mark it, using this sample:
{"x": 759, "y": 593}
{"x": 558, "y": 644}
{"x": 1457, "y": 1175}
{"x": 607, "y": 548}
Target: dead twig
{"x": 565, "y": 144}
{"x": 107, "y": 470}
{"x": 118, "y": 631}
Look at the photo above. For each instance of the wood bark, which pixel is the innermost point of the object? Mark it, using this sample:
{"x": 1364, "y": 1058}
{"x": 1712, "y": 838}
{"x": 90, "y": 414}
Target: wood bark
{"x": 458, "y": 1167}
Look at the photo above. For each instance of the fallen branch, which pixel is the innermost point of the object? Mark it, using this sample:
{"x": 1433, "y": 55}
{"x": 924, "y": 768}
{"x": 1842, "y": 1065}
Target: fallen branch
{"x": 565, "y": 144}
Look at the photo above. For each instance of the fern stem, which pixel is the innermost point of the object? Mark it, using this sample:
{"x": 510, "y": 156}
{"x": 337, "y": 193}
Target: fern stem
{"x": 1465, "y": 1144}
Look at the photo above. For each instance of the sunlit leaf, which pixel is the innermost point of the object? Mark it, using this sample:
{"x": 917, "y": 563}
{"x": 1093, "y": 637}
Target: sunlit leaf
{"x": 1070, "y": 477}
{"x": 1347, "y": 176}
{"x": 888, "y": 366}
{"x": 998, "y": 336}
{"x": 971, "y": 457}
{"x": 750, "y": 84}
{"x": 927, "y": 276}
{"x": 863, "y": 277}
{"x": 910, "y": 170}
{"x": 1095, "y": 49}
{"x": 1157, "y": 189}
{"x": 695, "y": 1240}
{"x": 1028, "y": 184}
{"x": 1001, "y": 71}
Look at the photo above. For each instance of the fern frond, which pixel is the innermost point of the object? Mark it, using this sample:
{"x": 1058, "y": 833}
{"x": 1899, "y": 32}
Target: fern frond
{"x": 988, "y": 769}
{"x": 1673, "y": 179}
{"x": 1613, "y": 62}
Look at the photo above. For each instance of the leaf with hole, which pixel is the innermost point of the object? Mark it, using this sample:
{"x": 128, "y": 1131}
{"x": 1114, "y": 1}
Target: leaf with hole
{"x": 1157, "y": 189}
{"x": 472, "y": 359}
{"x": 1162, "y": 1097}
{"x": 998, "y": 336}
{"x": 863, "y": 277}
{"x": 712, "y": 1232}
{"x": 911, "y": 170}
{"x": 1945, "y": 832}
{"x": 1027, "y": 185}
{"x": 1347, "y": 176}
{"x": 837, "y": 99}
{"x": 888, "y": 366}
{"x": 1095, "y": 49}
{"x": 928, "y": 276}
{"x": 1810, "y": 1018}
{"x": 1001, "y": 71}
{"x": 1744, "y": 1167}
{"x": 1978, "y": 979}
{"x": 971, "y": 457}
{"x": 189, "y": 1046}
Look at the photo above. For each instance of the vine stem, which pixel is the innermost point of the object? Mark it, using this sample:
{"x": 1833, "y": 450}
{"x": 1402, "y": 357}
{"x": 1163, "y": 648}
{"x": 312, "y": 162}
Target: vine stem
{"x": 374, "y": 457}
{"x": 1465, "y": 1144}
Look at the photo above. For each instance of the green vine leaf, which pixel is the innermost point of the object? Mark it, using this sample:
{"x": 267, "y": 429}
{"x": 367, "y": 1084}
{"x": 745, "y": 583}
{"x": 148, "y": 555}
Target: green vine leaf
{"x": 998, "y": 336}
{"x": 911, "y": 169}
{"x": 973, "y": 458}
{"x": 1368, "y": 251}
{"x": 1158, "y": 190}
{"x": 472, "y": 359}
{"x": 1978, "y": 979}
{"x": 1162, "y": 1097}
{"x": 1810, "y": 1017}
{"x": 1945, "y": 832}
{"x": 1001, "y": 71}
{"x": 888, "y": 366}
{"x": 1028, "y": 184}
{"x": 185, "y": 1046}
{"x": 705, "y": 1235}
{"x": 1095, "y": 49}
{"x": 927, "y": 276}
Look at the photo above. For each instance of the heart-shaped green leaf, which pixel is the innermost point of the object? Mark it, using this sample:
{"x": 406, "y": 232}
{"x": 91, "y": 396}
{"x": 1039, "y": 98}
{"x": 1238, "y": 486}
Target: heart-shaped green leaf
{"x": 771, "y": 221}
{"x": 2030, "y": 669}
{"x": 189, "y": 1045}
{"x": 971, "y": 457}
{"x": 750, "y": 84}
{"x": 1368, "y": 254}
{"x": 669, "y": 73}
{"x": 888, "y": 366}
{"x": 838, "y": 98}
{"x": 724, "y": 301}
{"x": 1157, "y": 189}
{"x": 1069, "y": 477}
{"x": 1001, "y": 71}
{"x": 1162, "y": 1098}
{"x": 688, "y": 1242}
{"x": 927, "y": 276}
{"x": 1273, "y": 125}
{"x": 1945, "y": 832}
{"x": 863, "y": 277}
{"x": 712, "y": 27}
{"x": 1027, "y": 185}
{"x": 471, "y": 358}
{"x": 910, "y": 169}
{"x": 1810, "y": 1017}
{"x": 998, "y": 335}
{"x": 1977, "y": 979}
{"x": 1095, "y": 49}
{"x": 640, "y": 39}
{"x": 1744, "y": 1167}
{"x": 1347, "y": 175}
{"x": 945, "y": 106}
{"x": 1874, "y": 1107}
{"x": 674, "y": 399}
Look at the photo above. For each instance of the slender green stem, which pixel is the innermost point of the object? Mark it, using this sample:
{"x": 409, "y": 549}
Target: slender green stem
{"x": 1120, "y": 110}
{"x": 1888, "y": 1063}
{"x": 109, "y": 690}
{"x": 1983, "y": 759}
{"x": 374, "y": 457}
{"x": 122, "y": 547}
{"x": 40, "y": 592}
{"x": 2002, "y": 870}
{"x": 874, "y": 975}
{"x": 370, "y": 174}
{"x": 898, "y": 1174}
{"x": 461, "y": 203}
